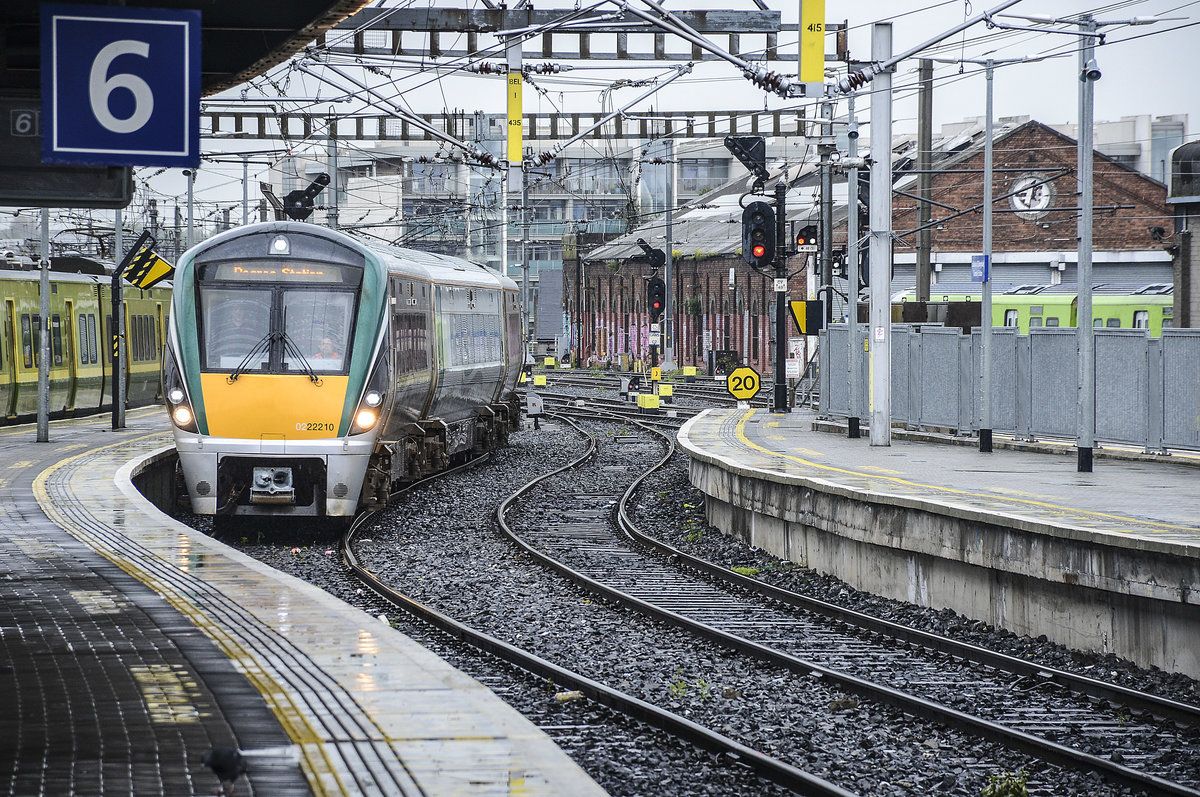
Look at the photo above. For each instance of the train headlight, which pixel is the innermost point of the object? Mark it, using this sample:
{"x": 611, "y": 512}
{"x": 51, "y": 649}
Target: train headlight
{"x": 280, "y": 245}
{"x": 175, "y": 395}
{"x": 182, "y": 416}
{"x": 373, "y": 398}
{"x": 365, "y": 419}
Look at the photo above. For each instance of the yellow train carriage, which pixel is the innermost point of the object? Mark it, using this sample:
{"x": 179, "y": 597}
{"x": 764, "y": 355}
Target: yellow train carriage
{"x": 80, "y": 335}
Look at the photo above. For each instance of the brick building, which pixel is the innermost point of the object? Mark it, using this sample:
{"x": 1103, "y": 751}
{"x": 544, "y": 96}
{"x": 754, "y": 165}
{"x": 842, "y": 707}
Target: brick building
{"x": 721, "y": 304}
{"x": 1034, "y": 228}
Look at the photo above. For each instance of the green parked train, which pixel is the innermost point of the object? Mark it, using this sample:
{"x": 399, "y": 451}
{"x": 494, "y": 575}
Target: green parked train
{"x": 1114, "y": 306}
{"x": 81, "y": 361}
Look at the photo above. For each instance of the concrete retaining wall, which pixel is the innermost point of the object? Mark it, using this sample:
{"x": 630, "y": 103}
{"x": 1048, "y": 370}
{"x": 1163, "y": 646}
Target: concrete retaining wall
{"x": 1137, "y": 600}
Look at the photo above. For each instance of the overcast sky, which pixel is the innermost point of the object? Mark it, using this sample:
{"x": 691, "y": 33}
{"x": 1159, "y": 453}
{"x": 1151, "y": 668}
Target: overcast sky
{"x": 1147, "y": 69}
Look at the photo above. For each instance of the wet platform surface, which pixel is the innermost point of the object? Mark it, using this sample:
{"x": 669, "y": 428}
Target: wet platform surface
{"x": 132, "y": 644}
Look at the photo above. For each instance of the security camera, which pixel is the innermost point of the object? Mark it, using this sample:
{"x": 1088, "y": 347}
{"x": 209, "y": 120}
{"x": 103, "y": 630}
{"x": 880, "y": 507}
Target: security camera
{"x": 852, "y": 131}
{"x": 1091, "y": 71}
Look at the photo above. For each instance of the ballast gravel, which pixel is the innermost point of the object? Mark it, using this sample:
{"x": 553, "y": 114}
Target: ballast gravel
{"x": 441, "y": 543}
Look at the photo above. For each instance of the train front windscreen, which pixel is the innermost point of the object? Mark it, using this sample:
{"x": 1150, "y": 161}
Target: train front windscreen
{"x": 277, "y": 318}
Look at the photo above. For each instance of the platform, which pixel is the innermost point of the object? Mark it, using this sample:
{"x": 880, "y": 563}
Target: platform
{"x": 132, "y": 644}
{"x": 1106, "y": 561}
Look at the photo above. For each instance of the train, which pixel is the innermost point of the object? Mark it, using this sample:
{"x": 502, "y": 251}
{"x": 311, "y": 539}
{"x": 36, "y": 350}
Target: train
{"x": 308, "y": 372}
{"x": 81, "y": 334}
{"x": 1147, "y": 306}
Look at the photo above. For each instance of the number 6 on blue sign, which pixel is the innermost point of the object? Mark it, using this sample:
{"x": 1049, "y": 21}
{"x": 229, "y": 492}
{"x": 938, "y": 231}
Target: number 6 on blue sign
{"x": 120, "y": 85}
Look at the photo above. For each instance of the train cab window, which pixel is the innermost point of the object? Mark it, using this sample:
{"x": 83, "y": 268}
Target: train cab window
{"x": 1010, "y": 318}
{"x": 56, "y": 339}
{"x": 317, "y": 327}
{"x": 1113, "y": 323}
{"x": 236, "y": 322}
{"x": 1051, "y": 321}
{"x": 1141, "y": 319}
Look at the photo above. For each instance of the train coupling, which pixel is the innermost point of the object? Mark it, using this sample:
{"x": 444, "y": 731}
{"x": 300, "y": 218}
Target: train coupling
{"x": 272, "y": 486}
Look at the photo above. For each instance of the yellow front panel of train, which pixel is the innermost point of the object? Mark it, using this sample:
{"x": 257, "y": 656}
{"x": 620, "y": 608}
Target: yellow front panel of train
{"x": 261, "y": 404}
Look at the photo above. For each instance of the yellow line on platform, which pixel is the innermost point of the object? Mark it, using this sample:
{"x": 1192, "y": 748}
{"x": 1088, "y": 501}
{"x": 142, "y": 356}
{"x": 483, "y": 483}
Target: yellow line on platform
{"x": 1059, "y": 508}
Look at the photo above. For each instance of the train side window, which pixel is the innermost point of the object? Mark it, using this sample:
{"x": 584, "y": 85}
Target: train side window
{"x": 26, "y": 340}
{"x": 1113, "y": 323}
{"x": 1097, "y": 323}
{"x": 1010, "y": 318}
{"x": 83, "y": 347}
{"x": 1141, "y": 319}
{"x": 110, "y": 349}
{"x": 92, "y": 353}
{"x": 56, "y": 341}
{"x": 1036, "y": 321}
{"x": 139, "y": 336}
{"x": 1051, "y": 321}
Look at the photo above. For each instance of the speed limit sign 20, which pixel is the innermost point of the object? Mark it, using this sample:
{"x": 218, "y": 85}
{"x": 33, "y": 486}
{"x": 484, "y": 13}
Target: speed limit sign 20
{"x": 120, "y": 85}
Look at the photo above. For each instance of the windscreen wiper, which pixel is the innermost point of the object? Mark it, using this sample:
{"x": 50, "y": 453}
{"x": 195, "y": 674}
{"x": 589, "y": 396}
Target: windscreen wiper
{"x": 262, "y": 347}
{"x": 294, "y": 350}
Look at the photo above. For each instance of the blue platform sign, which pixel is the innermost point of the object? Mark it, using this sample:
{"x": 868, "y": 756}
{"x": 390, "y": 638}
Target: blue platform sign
{"x": 980, "y": 268}
{"x": 120, "y": 85}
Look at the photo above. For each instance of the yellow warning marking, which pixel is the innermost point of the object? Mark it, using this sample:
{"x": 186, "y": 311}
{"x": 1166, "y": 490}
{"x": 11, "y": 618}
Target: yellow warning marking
{"x": 170, "y": 695}
{"x": 877, "y": 469}
{"x": 772, "y": 424}
{"x": 25, "y": 463}
{"x": 99, "y": 601}
{"x": 1058, "y": 509}
{"x": 316, "y": 759}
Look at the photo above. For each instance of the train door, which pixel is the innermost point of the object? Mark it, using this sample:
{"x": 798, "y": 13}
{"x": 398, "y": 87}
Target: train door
{"x": 68, "y": 341}
{"x": 8, "y": 344}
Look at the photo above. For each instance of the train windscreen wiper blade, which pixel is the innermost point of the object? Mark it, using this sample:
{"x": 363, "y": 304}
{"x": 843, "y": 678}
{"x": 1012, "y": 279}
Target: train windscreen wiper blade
{"x": 290, "y": 347}
{"x": 262, "y": 347}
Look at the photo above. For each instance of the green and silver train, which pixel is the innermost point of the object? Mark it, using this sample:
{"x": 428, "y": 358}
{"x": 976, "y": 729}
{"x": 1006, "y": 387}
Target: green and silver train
{"x": 307, "y": 371}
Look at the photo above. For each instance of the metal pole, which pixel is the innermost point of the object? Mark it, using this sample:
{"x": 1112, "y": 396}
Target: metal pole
{"x": 824, "y": 150}
{"x": 881, "y": 239}
{"x": 191, "y": 177}
{"x": 925, "y": 178}
{"x": 985, "y": 320}
{"x": 43, "y": 407}
{"x": 525, "y": 256}
{"x": 1087, "y": 381}
{"x": 118, "y": 351}
{"x": 853, "y": 360}
{"x": 331, "y": 215}
{"x": 245, "y": 189}
{"x": 668, "y": 339}
{"x": 781, "y": 300}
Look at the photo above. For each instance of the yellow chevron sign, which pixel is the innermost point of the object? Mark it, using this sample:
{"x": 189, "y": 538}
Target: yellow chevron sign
{"x": 147, "y": 270}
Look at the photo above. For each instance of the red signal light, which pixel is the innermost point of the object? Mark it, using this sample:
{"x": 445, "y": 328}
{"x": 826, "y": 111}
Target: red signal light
{"x": 759, "y": 250}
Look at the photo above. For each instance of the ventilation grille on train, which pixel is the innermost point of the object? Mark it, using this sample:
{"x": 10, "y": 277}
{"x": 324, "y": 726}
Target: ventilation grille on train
{"x": 203, "y": 488}
{"x": 340, "y": 490}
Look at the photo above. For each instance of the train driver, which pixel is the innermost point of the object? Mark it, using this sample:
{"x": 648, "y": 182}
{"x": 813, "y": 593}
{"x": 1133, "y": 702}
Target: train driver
{"x": 328, "y": 351}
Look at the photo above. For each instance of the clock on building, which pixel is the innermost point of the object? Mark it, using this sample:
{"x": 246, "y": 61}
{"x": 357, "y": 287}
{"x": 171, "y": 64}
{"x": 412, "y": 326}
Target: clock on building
{"x": 1031, "y": 198}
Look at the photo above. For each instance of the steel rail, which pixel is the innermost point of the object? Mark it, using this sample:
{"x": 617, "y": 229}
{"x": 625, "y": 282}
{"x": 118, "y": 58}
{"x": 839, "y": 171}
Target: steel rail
{"x": 774, "y": 770}
{"x": 911, "y": 704}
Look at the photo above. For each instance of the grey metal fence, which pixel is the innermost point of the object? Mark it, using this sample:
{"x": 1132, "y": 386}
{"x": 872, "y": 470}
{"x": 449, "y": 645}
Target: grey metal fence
{"x": 1147, "y": 389}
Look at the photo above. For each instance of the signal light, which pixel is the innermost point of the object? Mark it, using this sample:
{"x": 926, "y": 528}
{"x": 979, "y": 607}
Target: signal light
{"x": 807, "y": 236}
{"x": 758, "y": 234}
{"x": 656, "y": 295}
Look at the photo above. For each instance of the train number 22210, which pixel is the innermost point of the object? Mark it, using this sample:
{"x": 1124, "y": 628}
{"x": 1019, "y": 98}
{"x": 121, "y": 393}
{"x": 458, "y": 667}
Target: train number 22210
{"x": 314, "y": 426}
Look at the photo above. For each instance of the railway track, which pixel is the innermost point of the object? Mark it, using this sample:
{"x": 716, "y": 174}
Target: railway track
{"x": 779, "y": 772}
{"x": 1131, "y": 738}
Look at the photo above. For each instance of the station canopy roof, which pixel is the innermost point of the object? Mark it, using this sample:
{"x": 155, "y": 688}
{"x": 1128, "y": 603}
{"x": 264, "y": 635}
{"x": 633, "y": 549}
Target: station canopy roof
{"x": 239, "y": 40}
